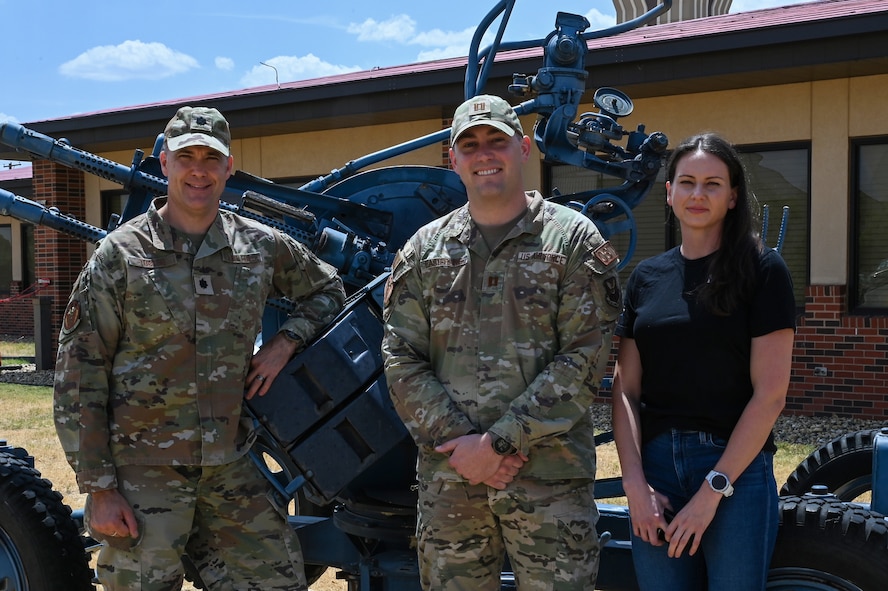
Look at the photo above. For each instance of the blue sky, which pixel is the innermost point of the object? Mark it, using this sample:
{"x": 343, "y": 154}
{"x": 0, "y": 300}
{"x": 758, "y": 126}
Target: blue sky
{"x": 67, "y": 57}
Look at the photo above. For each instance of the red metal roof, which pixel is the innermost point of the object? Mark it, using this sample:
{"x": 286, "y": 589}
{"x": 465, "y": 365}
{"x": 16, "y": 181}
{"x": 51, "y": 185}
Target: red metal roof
{"x": 15, "y": 173}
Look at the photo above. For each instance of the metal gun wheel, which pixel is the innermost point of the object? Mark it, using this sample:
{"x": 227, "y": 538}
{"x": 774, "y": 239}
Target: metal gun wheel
{"x": 824, "y": 543}
{"x": 414, "y": 194}
{"x": 40, "y": 546}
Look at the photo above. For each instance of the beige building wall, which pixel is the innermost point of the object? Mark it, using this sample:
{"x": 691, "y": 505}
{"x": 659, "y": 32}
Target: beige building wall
{"x": 16, "y": 238}
{"x": 828, "y": 242}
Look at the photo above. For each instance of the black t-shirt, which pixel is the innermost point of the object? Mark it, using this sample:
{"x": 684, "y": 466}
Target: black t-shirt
{"x": 695, "y": 365}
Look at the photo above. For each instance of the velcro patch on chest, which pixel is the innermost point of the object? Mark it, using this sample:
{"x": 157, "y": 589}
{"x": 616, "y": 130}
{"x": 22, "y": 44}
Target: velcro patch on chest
{"x": 555, "y": 258}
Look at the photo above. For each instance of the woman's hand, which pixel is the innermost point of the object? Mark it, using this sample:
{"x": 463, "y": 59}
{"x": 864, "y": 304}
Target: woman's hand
{"x": 648, "y": 510}
{"x": 687, "y": 527}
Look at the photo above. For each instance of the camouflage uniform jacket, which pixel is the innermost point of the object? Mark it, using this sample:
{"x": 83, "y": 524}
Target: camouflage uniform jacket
{"x": 157, "y": 339}
{"x": 517, "y": 347}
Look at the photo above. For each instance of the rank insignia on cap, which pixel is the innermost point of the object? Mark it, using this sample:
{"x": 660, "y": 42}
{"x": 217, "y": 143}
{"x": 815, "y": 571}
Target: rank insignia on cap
{"x": 201, "y": 123}
{"x": 606, "y": 253}
{"x": 72, "y": 316}
{"x": 480, "y": 107}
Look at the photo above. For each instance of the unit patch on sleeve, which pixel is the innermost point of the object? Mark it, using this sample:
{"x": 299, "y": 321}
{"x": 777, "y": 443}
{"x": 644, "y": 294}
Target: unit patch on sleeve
{"x": 606, "y": 253}
{"x": 72, "y": 316}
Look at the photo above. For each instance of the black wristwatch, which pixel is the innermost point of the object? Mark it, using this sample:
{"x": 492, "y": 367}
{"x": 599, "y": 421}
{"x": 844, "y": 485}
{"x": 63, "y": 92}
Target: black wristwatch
{"x": 502, "y": 446}
{"x": 720, "y": 483}
{"x": 292, "y": 336}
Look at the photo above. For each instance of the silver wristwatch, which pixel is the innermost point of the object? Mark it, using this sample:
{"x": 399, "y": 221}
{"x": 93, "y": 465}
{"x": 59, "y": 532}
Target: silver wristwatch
{"x": 720, "y": 483}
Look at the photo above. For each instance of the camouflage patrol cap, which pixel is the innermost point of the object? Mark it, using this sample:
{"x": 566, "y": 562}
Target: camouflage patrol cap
{"x": 485, "y": 109}
{"x": 198, "y": 126}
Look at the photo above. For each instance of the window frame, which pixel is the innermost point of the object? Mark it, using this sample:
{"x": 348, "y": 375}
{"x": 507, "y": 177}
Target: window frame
{"x": 854, "y": 231}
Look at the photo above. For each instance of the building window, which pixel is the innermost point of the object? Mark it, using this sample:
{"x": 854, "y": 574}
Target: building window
{"x": 113, "y": 202}
{"x": 869, "y": 271}
{"x": 779, "y": 176}
{"x": 5, "y": 259}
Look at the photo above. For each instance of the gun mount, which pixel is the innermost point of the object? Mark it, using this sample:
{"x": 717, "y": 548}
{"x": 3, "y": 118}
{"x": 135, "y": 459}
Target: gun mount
{"x": 328, "y": 437}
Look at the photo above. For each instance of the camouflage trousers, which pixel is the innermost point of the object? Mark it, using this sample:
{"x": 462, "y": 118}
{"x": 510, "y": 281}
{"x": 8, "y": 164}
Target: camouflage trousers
{"x": 219, "y": 516}
{"x": 546, "y": 528}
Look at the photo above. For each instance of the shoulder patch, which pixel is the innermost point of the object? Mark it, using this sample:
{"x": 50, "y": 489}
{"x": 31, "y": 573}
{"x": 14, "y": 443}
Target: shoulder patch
{"x": 72, "y": 316}
{"x": 606, "y": 253}
{"x": 612, "y": 292}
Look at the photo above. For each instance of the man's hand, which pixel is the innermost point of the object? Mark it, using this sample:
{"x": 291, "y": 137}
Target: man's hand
{"x": 267, "y": 363}
{"x": 473, "y": 458}
{"x": 110, "y": 515}
{"x": 507, "y": 472}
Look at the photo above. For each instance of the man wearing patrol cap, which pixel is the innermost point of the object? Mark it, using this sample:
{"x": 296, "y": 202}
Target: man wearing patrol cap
{"x": 155, "y": 358}
{"x": 198, "y": 126}
{"x": 499, "y": 318}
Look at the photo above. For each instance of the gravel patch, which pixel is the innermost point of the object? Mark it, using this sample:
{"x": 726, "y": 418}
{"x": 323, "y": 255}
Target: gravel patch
{"x": 26, "y": 374}
{"x": 802, "y": 430}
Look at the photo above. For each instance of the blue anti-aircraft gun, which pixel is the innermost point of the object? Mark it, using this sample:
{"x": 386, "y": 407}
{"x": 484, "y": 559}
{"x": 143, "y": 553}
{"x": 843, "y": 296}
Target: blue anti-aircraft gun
{"x": 327, "y": 434}
{"x": 328, "y": 438}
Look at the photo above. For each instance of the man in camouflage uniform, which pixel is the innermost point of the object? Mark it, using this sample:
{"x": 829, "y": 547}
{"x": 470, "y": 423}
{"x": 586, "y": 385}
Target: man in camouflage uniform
{"x": 499, "y": 320}
{"x": 155, "y": 358}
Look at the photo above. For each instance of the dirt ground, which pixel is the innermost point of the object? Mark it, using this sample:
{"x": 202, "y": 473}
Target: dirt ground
{"x": 329, "y": 582}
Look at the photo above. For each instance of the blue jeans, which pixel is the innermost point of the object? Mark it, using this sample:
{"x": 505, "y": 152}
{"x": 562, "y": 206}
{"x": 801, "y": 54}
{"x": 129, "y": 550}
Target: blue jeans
{"x": 736, "y": 548}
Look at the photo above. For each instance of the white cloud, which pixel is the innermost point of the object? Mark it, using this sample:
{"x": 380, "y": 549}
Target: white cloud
{"x": 397, "y": 28}
{"x": 438, "y": 43}
{"x": 439, "y": 38}
{"x": 598, "y": 20}
{"x": 128, "y": 61}
{"x": 440, "y": 53}
{"x": 291, "y": 68}
{"x": 401, "y": 29}
{"x": 224, "y": 63}
{"x": 4, "y": 118}
{"x": 443, "y": 44}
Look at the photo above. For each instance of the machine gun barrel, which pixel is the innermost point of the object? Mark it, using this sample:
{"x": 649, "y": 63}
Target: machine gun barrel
{"x": 146, "y": 185}
{"x": 43, "y": 146}
{"x": 35, "y": 213}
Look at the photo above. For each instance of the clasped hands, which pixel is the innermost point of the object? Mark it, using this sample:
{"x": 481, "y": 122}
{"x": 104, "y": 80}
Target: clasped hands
{"x": 473, "y": 458}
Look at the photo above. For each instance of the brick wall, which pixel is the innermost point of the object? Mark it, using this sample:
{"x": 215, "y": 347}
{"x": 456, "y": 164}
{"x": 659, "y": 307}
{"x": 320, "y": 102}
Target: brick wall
{"x": 840, "y": 361}
{"x": 59, "y": 257}
{"x": 16, "y": 314}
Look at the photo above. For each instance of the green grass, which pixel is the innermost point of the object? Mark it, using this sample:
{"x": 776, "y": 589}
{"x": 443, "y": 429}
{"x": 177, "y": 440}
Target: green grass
{"x": 10, "y": 350}
{"x": 10, "y": 361}
{"x": 25, "y": 408}
{"x": 16, "y": 352}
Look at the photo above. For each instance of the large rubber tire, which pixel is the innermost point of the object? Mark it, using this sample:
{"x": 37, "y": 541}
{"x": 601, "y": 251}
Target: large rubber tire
{"x": 844, "y": 466}
{"x": 824, "y": 543}
{"x": 40, "y": 546}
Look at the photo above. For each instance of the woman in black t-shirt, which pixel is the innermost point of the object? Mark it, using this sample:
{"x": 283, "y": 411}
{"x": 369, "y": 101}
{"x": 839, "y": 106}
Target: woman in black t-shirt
{"x": 705, "y": 350}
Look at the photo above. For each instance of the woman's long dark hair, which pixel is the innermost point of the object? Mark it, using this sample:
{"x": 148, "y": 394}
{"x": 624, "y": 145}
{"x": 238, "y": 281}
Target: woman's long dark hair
{"x": 732, "y": 269}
